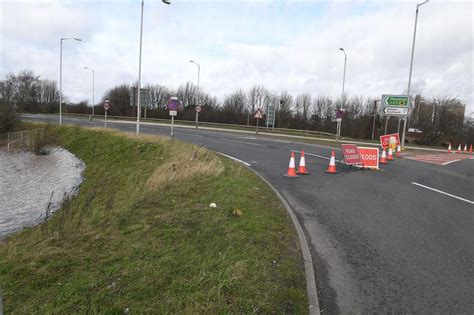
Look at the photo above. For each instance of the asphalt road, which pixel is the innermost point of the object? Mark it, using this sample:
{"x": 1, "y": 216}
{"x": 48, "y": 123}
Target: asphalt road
{"x": 380, "y": 244}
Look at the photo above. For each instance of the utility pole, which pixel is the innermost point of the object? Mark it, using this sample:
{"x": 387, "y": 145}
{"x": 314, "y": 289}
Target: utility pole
{"x": 411, "y": 69}
{"x": 198, "y": 91}
{"x": 339, "y": 120}
{"x": 61, "y": 75}
{"x": 93, "y": 87}
{"x": 140, "y": 66}
{"x": 375, "y": 115}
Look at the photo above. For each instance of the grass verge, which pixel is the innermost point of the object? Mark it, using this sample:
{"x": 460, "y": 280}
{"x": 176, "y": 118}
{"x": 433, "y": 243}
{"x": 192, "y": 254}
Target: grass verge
{"x": 140, "y": 237}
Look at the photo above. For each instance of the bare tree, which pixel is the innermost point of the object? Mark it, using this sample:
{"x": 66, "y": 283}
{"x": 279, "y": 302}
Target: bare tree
{"x": 119, "y": 98}
{"x": 303, "y": 107}
{"x": 285, "y": 110}
{"x": 48, "y": 96}
{"x": 159, "y": 95}
{"x": 256, "y": 97}
{"x": 188, "y": 94}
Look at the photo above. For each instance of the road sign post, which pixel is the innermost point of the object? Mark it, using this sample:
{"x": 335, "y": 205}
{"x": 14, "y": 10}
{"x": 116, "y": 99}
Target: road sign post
{"x": 258, "y": 115}
{"x": 198, "y": 110}
{"x": 106, "y": 108}
{"x": 145, "y": 100}
{"x": 173, "y": 107}
{"x": 395, "y": 105}
{"x": 339, "y": 114}
{"x": 270, "y": 116}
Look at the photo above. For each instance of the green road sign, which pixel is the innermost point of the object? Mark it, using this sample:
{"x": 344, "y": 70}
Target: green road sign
{"x": 395, "y": 100}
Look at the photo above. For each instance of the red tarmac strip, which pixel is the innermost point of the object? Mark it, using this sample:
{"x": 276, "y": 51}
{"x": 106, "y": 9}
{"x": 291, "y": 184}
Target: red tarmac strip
{"x": 439, "y": 159}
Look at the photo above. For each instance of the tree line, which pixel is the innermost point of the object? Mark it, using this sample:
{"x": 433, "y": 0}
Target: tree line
{"x": 441, "y": 119}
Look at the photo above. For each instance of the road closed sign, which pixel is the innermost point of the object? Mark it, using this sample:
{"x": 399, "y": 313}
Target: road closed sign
{"x": 351, "y": 154}
{"x": 369, "y": 157}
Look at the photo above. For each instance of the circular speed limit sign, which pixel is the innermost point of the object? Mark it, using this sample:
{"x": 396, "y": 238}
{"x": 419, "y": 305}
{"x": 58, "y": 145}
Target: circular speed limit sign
{"x": 106, "y": 104}
{"x": 198, "y": 109}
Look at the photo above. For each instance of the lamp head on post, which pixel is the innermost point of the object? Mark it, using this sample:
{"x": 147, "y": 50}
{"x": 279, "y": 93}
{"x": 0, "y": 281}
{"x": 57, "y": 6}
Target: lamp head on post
{"x": 342, "y": 49}
{"x": 166, "y": 1}
{"x": 420, "y": 4}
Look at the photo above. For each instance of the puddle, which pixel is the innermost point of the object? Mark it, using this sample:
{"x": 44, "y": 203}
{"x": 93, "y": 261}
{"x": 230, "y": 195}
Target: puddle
{"x": 26, "y": 184}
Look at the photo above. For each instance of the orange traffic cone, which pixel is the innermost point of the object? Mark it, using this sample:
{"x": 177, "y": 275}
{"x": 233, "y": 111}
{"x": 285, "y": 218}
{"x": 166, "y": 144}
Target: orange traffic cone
{"x": 291, "y": 168}
{"x": 332, "y": 164}
{"x": 390, "y": 154}
{"x": 383, "y": 158}
{"x": 399, "y": 151}
{"x": 449, "y": 148}
{"x": 302, "y": 168}
{"x": 459, "y": 149}
{"x": 465, "y": 148}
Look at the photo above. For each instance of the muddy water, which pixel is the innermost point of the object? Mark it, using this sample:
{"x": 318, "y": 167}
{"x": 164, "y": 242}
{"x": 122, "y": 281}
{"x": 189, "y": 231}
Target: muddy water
{"x": 27, "y": 182}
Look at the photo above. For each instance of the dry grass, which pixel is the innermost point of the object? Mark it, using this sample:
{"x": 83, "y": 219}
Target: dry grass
{"x": 186, "y": 163}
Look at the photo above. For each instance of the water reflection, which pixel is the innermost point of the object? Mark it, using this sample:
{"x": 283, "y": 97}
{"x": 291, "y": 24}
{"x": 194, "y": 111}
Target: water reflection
{"x": 27, "y": 181}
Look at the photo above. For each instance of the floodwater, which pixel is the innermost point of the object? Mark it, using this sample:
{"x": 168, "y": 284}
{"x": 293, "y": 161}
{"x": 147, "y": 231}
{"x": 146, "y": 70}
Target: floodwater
{"x": 29, "y": 182}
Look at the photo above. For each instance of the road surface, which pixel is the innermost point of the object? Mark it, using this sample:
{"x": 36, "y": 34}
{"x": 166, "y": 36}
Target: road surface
{"x": 398, "y": 240}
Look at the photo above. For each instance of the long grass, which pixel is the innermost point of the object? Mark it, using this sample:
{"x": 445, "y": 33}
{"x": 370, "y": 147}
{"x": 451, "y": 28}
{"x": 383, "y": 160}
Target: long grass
{"x": 141, "y": 237}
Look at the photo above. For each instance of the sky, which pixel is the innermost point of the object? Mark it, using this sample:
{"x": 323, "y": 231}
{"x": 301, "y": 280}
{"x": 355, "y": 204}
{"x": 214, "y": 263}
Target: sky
{"x": 282, "y": 45}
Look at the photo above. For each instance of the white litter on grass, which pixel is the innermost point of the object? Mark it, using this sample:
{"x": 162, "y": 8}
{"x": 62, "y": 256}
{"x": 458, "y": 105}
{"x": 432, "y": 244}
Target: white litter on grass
{"x": 213, "y": 205}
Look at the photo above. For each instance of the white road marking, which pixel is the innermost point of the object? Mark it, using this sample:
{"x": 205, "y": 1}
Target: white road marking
{"x": 189, "y": 134}
{"x": 235, "y": 159}
{"x": 243, "y": 142}
{"x": 443, "y": 163}
{"x": 248, "y": 138}
{"x": 319, "y": 156}
{"x": 444, "y": 193}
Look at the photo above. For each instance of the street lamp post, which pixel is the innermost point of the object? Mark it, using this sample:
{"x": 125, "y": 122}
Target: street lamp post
{"x": 411, "y": 68}
{"x": 140, "y": 66}
{"x": 61, "y": 75}
{"x": 198, "y": 92}
{"x": 344, "y": 76}
{"x": 375, "y": 115}
{"x": 339, "y": 120}
{"x": 93, "y": 87}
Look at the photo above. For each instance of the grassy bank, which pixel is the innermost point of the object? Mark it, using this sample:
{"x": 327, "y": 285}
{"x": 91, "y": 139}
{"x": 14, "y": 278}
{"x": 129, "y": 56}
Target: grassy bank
{"x": 141, "y": 237}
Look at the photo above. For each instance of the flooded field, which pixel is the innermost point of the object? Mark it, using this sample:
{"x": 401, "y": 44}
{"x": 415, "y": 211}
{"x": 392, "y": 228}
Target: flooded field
{"x": 29, "y": 182}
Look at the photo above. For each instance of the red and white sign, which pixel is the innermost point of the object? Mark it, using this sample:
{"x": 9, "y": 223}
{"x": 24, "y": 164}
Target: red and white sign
{"x": 351, "y": 154}
{"x": 258, "y": 114}
{"x": 392, "y": 140}
{"x": 198, "y": 109}
{"x": 173, "y": 104}
{"x": 106, "y": 104}
{"x": 369, "y": 157}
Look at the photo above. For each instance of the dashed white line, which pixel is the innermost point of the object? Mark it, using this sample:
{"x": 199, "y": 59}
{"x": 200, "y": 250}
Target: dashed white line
{"x": 444, "y": 193}
{"x": 319, "y": 156}
{"x": 189, "y": 134}
{"x": 235, "y": 159}
{"x": 248, "y": 138}
{"x": 243, "y": 142}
